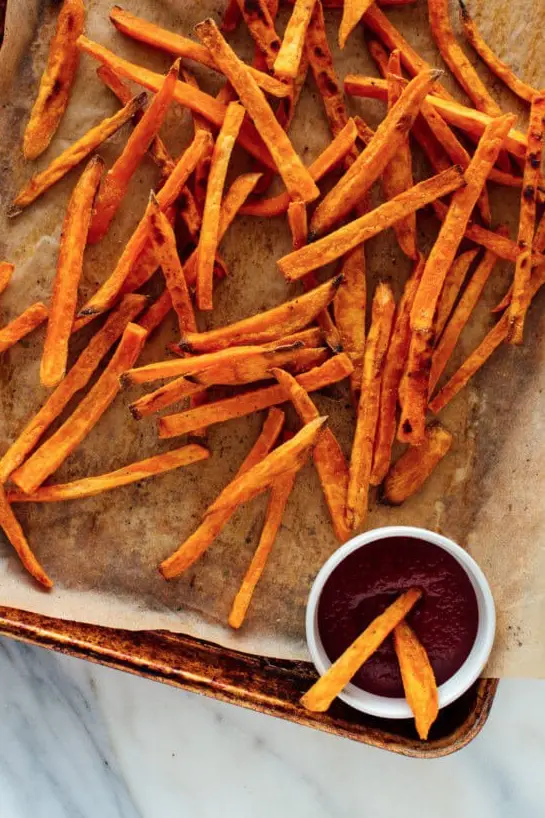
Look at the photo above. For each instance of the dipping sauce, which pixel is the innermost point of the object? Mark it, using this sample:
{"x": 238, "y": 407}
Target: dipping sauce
{"x": 363, "y": 585}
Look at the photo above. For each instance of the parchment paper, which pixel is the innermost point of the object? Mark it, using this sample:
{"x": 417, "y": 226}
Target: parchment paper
{"x": 103, "y": 552}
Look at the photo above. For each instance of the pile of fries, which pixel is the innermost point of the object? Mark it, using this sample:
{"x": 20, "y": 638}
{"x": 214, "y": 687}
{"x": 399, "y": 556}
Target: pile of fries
{"x": 317, "y": 339}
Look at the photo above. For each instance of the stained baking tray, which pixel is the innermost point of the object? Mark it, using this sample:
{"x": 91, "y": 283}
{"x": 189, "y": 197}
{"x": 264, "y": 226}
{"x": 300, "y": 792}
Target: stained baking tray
{"x": 256, "y": 682}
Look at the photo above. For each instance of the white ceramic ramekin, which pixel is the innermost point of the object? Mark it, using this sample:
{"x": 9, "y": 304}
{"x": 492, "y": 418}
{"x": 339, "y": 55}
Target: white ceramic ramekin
{"x": 471, "y": 669}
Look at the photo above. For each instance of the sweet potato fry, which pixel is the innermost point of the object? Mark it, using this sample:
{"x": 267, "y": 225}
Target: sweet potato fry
{"x": 185, "y": 94}
{"x": 450, "y": 291}
{"x": 527, "y": 221}
{"x": 322, "y": 692}
{"x": 76, "y": 379}
{"x": 278, "y": 498}
{"x": 497, "y": 66}
{"x": 257, "y": 16}
{"x": 418, "y": 678}
{"x": 265, "y": 326}
{"x": 321, "y": 62}
{"x": 394, "y": 366}
{"x": 349, "y": 310}
{"x": 67, "y": 278}
{"x": 56, "y": 449}
{"x": 133, "y": 473}
{"x": 414, "y": 388}
{"x": 208, "y": 241}
{"x": 327, "y": 455}
{"x": 361, "y": 460}
{"x": 272, "y": 426}
{"x": 289, "y": 56}
{"x": 166, "y": 395}
{"x": 24, "y": 324}
{"x": 415, "y": 465}
{"x": 13, "y": 531}
{"x": 110, "y": 290}
{"x": 333, "y": 155}
{"x": 337, "y": 244}
{"x": 75, "y": 154}
{"x": 456, "y": 59}
{"x": 157, "y": 37}
{"x": 397, "y": 176}
{"x": 6, "y": 272}
{"x": 390, "y": 134}
{"x": 157, "y": 149}
{"x": 296, "y": 177}
{"x": 338, "y": 4}
{"x": 469, "y": 120}
{"x": 116, "y": 182}
{"x": 57, "y": 80}
{"x": 164, "y": 243}
{"x": 449, "y": 338}
{"x": 231, "y": 17}
{"x": 332, "y": 371}
{"x": 379, "y": 24}
{"x": 288, "y": 457}
{"x": 453, "y": 228}
{"x": 353, "y": 11}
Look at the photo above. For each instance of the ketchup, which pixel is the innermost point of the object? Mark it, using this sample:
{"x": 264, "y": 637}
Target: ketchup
{"x": 368, "y": 580}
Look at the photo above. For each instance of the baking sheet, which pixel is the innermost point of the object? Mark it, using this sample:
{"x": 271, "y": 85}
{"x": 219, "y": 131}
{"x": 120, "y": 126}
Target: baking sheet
{"x": 103, "y": 552}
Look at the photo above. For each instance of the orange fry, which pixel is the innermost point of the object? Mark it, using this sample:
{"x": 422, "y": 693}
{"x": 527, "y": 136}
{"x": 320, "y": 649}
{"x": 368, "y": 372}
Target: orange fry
{"x": 333, "y": 155}
{"x": 527, "y": 221}
{"x": 76, "y": 379}
{"x": 133, "y": 473}
{"x": 24, "y": 324}
{"x": 418, "y": 678}
{"x": 296, "y": 177}
{"x": 322, "y": 692}
{"x": 349, "y": 310}
{"x": 67, "y": 278}
{"x": 471, "y": 121}
{"x": 6, "y": 272}
{"x": 289, "y": 57}
{"x": 188, "y": 96}
{"x": 13, "y": 531}
{"x": 164, "y": 243}
{"x": 116, "y": 182}
{"x": 332, "y": 371}
{"x": 353, "y": 11}
{"x": 265, "y": 326}
{"x": 280, "y": 492}
{"x": 397, "y": 176}
{"x": 157, "y": 150}
{"x": 56, "y": 449}
{"x": 75, "y": 154}
{"x": 337, "y": 244}
{"x": 231, "y": 17}
{"x": 166, "y": 395}
{"x": 208, "y": 241}
{"x": 414, "y": 387}
{"x": 415, "y": 465}
{"x": 288, "y": 457}
{"x": 394, "y": 366}
{"x": 497, "y": 66}
{"x": 328, "y": 456}
{"x": 390, "y": 134}
{"x": 361, "y": 460}
{"x": 257, "y": 16}
{"x": 157, "y": 37}
{"x": 110, "y": 290}
{"x": 450, "y": 291}
{"x": 453, "y": 228}
{"x": 57, "y": 80}
{"x": 460, "y": 317}
{"x": 456, "y": 59}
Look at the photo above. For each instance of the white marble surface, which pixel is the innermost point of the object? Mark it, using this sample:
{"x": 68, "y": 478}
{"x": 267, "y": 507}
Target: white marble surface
{"x": 80, "y": 741}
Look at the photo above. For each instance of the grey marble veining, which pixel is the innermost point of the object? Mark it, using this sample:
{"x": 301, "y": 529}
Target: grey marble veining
{"x": 78, "y": 740}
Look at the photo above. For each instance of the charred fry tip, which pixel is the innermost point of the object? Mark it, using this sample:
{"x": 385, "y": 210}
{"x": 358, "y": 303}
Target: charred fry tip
{"x": 338, "y": 280}
{"x": 13, "y": 211}
{"x": 83, "y": 313}
{"x": 133, "y": 409}
{"x": 184, "y": 345}
{"x": 140, "y": 100}
{"x": 312, "y": 236}
{"x": 125, "y": 380}
{"x": 436, "y": 73}
{"x": 464, "y": 13}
